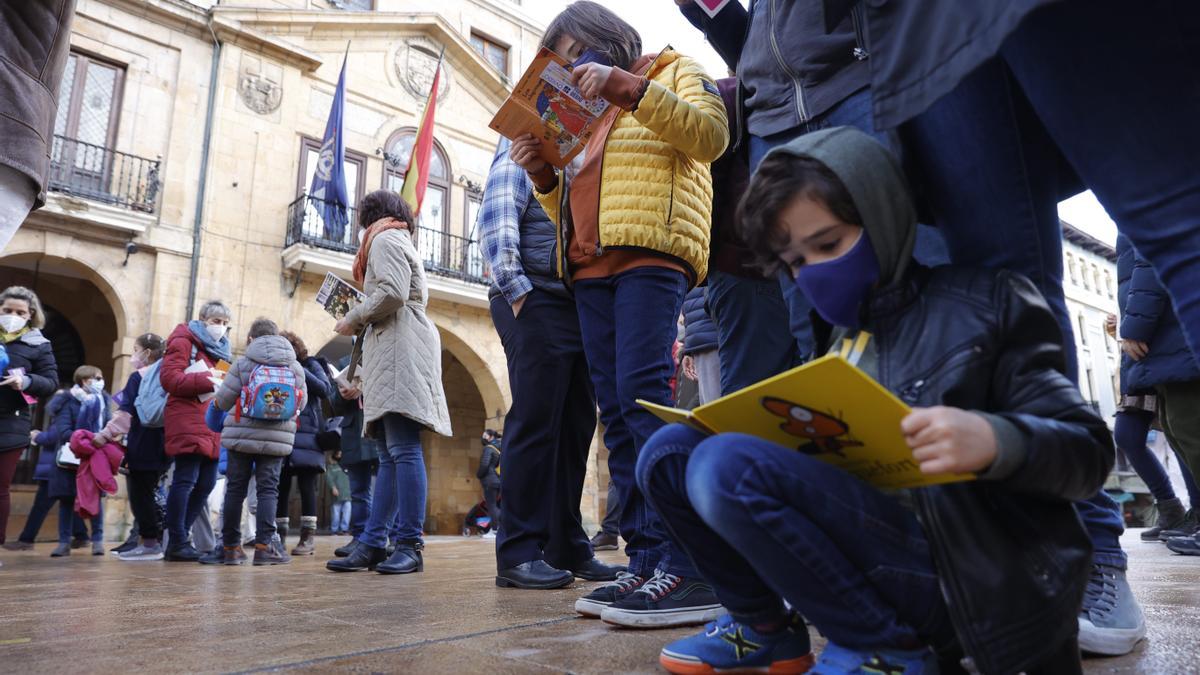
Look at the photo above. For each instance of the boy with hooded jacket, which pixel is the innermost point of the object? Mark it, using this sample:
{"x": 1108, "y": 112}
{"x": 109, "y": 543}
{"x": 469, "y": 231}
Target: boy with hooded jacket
{"x": 255, "y": 445}
{"x": 988, "y": 573}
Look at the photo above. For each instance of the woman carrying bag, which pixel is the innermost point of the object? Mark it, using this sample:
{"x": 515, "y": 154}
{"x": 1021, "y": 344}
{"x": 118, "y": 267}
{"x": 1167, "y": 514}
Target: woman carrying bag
{"x": 402, "y": 381}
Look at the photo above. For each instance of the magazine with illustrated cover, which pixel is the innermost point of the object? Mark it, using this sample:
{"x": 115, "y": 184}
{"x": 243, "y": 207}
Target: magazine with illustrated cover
{"x": 545, "y": 103}
{"x": 338, "y": 297}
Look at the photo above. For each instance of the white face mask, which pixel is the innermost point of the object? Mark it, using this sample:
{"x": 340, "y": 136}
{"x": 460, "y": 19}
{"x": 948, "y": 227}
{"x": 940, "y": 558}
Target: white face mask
{"x": 12, "y": 323}
{"x": 215, "y": 331}
{"x": 96, "y": 386}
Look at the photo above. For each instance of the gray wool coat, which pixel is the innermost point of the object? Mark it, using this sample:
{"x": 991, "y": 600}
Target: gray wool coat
{"x": 402, "y": 352}
{"x": 251, "y": 436}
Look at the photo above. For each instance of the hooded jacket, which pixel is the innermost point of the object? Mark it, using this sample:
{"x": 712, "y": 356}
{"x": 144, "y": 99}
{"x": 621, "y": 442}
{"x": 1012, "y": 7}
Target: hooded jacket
{"x": 33, "y": 352}
{"x": 307, "y": 453}
{"x": 1010, "y": 553}
{"x": 1147, "y": 316}
{"x": 254, "y": 436}
{"x": 700, "y": 331}
{"x": 184, "y": 429}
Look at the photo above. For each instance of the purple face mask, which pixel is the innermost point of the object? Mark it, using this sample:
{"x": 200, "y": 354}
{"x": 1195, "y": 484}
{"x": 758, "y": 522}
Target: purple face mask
{"x": 838, "y": 287}
{"x": 591, "y": 56}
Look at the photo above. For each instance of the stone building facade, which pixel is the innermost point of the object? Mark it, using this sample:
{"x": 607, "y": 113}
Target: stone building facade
{"x": 187, "y": 136}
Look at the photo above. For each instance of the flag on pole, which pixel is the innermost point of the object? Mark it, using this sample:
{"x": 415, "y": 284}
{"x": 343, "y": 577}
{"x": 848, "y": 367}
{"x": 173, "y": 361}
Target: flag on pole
{"x": 416, "y": 177}
{"x": 329, "y": 179}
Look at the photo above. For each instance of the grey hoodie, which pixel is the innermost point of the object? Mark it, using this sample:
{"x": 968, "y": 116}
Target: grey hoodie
{"x": 251, "y": 436}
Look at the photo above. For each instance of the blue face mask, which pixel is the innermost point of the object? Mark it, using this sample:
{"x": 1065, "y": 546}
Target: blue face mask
{"x": 838, "y": 287}
{"x": 591, "y": 56}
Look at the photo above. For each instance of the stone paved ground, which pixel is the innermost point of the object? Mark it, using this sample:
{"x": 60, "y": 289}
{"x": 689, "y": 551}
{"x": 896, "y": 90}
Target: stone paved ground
{"x": 83, "y": 614}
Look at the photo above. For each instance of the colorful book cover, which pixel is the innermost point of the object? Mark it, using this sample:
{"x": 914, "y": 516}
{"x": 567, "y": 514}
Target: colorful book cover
{"x": 545, "y": 103}
{"x": 826, "y": 408}
{"x": 338, "y": 297}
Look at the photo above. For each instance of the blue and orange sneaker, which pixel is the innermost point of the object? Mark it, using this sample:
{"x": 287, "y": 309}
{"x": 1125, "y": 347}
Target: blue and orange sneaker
{"x": 727, "y": 646}
{"x": 837, "y": 660}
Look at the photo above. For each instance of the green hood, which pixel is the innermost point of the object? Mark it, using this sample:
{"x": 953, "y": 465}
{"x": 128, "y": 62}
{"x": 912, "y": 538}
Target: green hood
{"x": 877, "y": 186}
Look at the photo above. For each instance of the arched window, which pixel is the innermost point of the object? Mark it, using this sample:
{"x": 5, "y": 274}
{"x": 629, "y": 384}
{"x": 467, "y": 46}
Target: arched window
{"x": 435, "y": 209}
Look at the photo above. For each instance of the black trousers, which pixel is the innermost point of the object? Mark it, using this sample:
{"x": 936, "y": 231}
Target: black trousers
{"x": 308, "y": 491}
{"x": 141, "y": 486}
{"x": 491, "y": 496}
{"x": 547, "y": 433}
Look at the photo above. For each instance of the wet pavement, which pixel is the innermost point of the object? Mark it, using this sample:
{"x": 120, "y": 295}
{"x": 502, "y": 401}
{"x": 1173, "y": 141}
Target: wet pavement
{"x": 100, "y": 615}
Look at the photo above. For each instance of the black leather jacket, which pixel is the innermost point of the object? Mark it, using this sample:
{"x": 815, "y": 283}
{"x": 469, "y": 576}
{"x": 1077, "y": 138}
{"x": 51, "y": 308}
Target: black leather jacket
{"x": 1011, "y": 553}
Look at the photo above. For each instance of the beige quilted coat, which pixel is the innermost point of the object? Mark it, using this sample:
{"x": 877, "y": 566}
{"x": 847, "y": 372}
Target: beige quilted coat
{"x": 402, "y": 353}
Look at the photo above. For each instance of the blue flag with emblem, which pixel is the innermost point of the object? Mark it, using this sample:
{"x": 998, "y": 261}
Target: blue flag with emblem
{"x": 329, "y": 178}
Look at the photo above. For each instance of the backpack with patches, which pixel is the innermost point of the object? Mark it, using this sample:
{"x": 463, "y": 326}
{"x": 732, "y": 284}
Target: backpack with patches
{"x": 272, "y": 394}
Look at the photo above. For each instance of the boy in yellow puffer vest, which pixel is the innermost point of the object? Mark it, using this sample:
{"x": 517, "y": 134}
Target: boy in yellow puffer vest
{"x": 636, "y": 218}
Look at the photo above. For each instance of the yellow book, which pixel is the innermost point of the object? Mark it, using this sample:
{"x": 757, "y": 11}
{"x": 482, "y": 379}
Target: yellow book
{"x": 826, "y": 408}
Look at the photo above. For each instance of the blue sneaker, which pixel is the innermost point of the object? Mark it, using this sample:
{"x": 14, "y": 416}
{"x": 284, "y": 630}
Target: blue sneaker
{"x": 727, "y": 646}
{"x": 835, "y": 660}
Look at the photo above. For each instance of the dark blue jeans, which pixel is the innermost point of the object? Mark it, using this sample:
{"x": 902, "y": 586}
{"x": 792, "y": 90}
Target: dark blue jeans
{"x": 360, "y": 494}
{"x": 628, "y": 323}
{"x": 763, "y": 522}
{"x": 69, "y": 522}
{"x": 547, "y": 433}
{"x": 753, "y": 340}
{"x": 401, "y": 485}
{"x": 42, "y": 503}
{"x": 855, "y": 112}
{"x": 240, "y": 467}
{"x": 1130, "y": 433}
{"x": 191, "y": 483}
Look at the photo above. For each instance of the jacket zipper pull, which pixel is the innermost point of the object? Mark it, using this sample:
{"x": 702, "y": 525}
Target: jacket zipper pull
{"x": 913, "y": 391}
{"x": 599, "y": 250}
{"x": 861, "y": 54}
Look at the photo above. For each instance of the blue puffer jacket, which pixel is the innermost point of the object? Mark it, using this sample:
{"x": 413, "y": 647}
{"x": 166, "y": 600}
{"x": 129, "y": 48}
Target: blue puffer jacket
{"x": 1147, "y": 316}
{"x": 699, "y": 330}
{"x": 307, "y": 453}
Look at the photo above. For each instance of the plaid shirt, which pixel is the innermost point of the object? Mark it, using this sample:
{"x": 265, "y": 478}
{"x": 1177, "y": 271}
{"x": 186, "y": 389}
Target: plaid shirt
{"x": 505, "y": 198}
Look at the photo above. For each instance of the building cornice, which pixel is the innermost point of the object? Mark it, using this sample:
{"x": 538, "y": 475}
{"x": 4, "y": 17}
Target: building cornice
{"x": 1087, "y": 242}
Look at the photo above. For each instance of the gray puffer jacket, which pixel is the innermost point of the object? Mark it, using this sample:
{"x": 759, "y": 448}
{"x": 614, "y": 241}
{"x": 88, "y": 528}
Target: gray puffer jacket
{"x": 253, "y": 436}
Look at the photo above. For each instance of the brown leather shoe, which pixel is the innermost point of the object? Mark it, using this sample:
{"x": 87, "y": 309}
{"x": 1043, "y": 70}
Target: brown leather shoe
{"x": 270, "y": 554}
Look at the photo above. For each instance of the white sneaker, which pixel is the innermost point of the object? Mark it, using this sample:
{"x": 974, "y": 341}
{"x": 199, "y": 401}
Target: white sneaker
{"x": 143, "y": 553}
{"x": 490, "y": 534}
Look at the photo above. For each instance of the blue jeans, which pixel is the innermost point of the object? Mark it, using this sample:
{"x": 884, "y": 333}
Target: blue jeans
{"x": 762, "y": 522}
{"x": 855, "y": 112}
{"x": 240, "y": 468}
{"x": 400, "y": 486}
{"x": 192, "y": 481}
{"x": 629, "y": 325}
{"x": 69, "y": 522}
{"x": 339, "y": 516}
{"x": 42, "y": 503}
{"x": 753, "y": 341}
{"x": 360, "y": 494}
{"x": 1130, "y": 433}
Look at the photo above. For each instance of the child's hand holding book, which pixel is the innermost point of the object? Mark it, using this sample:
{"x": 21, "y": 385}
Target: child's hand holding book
{"x": 950, "y": 440}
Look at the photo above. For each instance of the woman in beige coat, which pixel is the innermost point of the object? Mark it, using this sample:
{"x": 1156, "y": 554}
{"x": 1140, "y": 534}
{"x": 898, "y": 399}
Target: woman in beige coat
{"x": 402, "y": 381}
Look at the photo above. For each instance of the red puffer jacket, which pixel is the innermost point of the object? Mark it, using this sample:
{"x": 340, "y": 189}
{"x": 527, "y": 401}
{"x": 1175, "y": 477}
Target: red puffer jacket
{"x": 183, "y": 421}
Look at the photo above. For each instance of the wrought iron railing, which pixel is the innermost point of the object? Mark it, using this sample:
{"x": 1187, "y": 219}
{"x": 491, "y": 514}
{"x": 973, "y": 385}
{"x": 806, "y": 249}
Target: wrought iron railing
{"x": 104, "y": 175}
{"x": 444, "y": 254}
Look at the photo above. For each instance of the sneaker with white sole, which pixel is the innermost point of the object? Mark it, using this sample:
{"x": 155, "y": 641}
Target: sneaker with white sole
{"x": 666, "y": 600}
{"x": 142, "y": 552}
{"x": 1110, "y": 622}
{"x": 594, "y": 603}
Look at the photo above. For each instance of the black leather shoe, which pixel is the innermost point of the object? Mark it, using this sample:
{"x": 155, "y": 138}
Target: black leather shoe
{"x": 406, "y": 559}
{"x": 595, "y": 570}
{"x": 535, "y": 574}
{"x": 343, "y": 551}
{"x": 185, "y": 553}
{"x": 363, "y": 557}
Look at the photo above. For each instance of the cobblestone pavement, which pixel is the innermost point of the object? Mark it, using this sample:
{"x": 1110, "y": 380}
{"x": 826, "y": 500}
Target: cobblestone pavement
{"x": 99, "y": 615}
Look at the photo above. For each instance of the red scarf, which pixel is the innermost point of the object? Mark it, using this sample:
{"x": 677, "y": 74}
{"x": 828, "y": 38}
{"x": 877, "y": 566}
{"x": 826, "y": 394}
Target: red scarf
{"x": 364, "y": 251}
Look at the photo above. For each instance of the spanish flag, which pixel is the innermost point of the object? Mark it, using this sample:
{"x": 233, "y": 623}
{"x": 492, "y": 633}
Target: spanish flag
{"x": 416, "y": 177}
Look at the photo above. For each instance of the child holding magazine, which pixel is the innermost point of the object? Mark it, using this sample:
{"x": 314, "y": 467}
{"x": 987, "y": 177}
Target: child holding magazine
{"x": 987, "y": 573}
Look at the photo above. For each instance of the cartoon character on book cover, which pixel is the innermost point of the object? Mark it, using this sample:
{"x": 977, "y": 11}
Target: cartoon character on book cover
{"x": 822, "y": 432}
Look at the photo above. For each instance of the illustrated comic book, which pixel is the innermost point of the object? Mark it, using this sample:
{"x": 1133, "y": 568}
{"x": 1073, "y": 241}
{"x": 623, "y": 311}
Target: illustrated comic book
{"x": 337, "y": 296}
{"x": 826, "y": 408}
{"x": 545, "y": 103}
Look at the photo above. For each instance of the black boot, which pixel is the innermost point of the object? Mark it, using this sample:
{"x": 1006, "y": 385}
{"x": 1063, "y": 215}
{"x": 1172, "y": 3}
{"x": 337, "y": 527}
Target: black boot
{"x": 363, "y": 557}
{"x": 406, "y": 560}
{"x": 343, "y": 551}
{"x": 1171, "y": 516}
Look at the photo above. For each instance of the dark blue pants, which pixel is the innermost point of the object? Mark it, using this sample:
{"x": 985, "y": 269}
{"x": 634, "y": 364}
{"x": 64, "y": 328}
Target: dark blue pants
{"x": 265, "y": 470}
{"x": 42, "y": 503}
{"x": 629, "y": 325}
{"x": 360, "y": 494}
{"x": 753, "y": 338}
{"x": 401, "y": 486}
{"x": 547, "y": 433}
{"x": 191, "y": 483}
{"x": 69, "y": 522}
{"x": 1130, "y": 433}
{"x": 763, "y": 522}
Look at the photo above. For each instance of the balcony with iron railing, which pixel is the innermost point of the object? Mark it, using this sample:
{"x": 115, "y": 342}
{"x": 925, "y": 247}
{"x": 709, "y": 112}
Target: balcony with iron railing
{"x": 446, "y": 256}
{"x": 100, "y": 174}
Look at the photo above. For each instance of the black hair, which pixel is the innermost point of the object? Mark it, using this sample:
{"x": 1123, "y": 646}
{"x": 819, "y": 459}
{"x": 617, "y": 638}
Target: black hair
{"x": 152, "y": 343}
{"x": 384, "y": 204}
{"x": 779, "y": 179}
{"x": 263, "y": 327}
{"x": 598, "y": 28}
